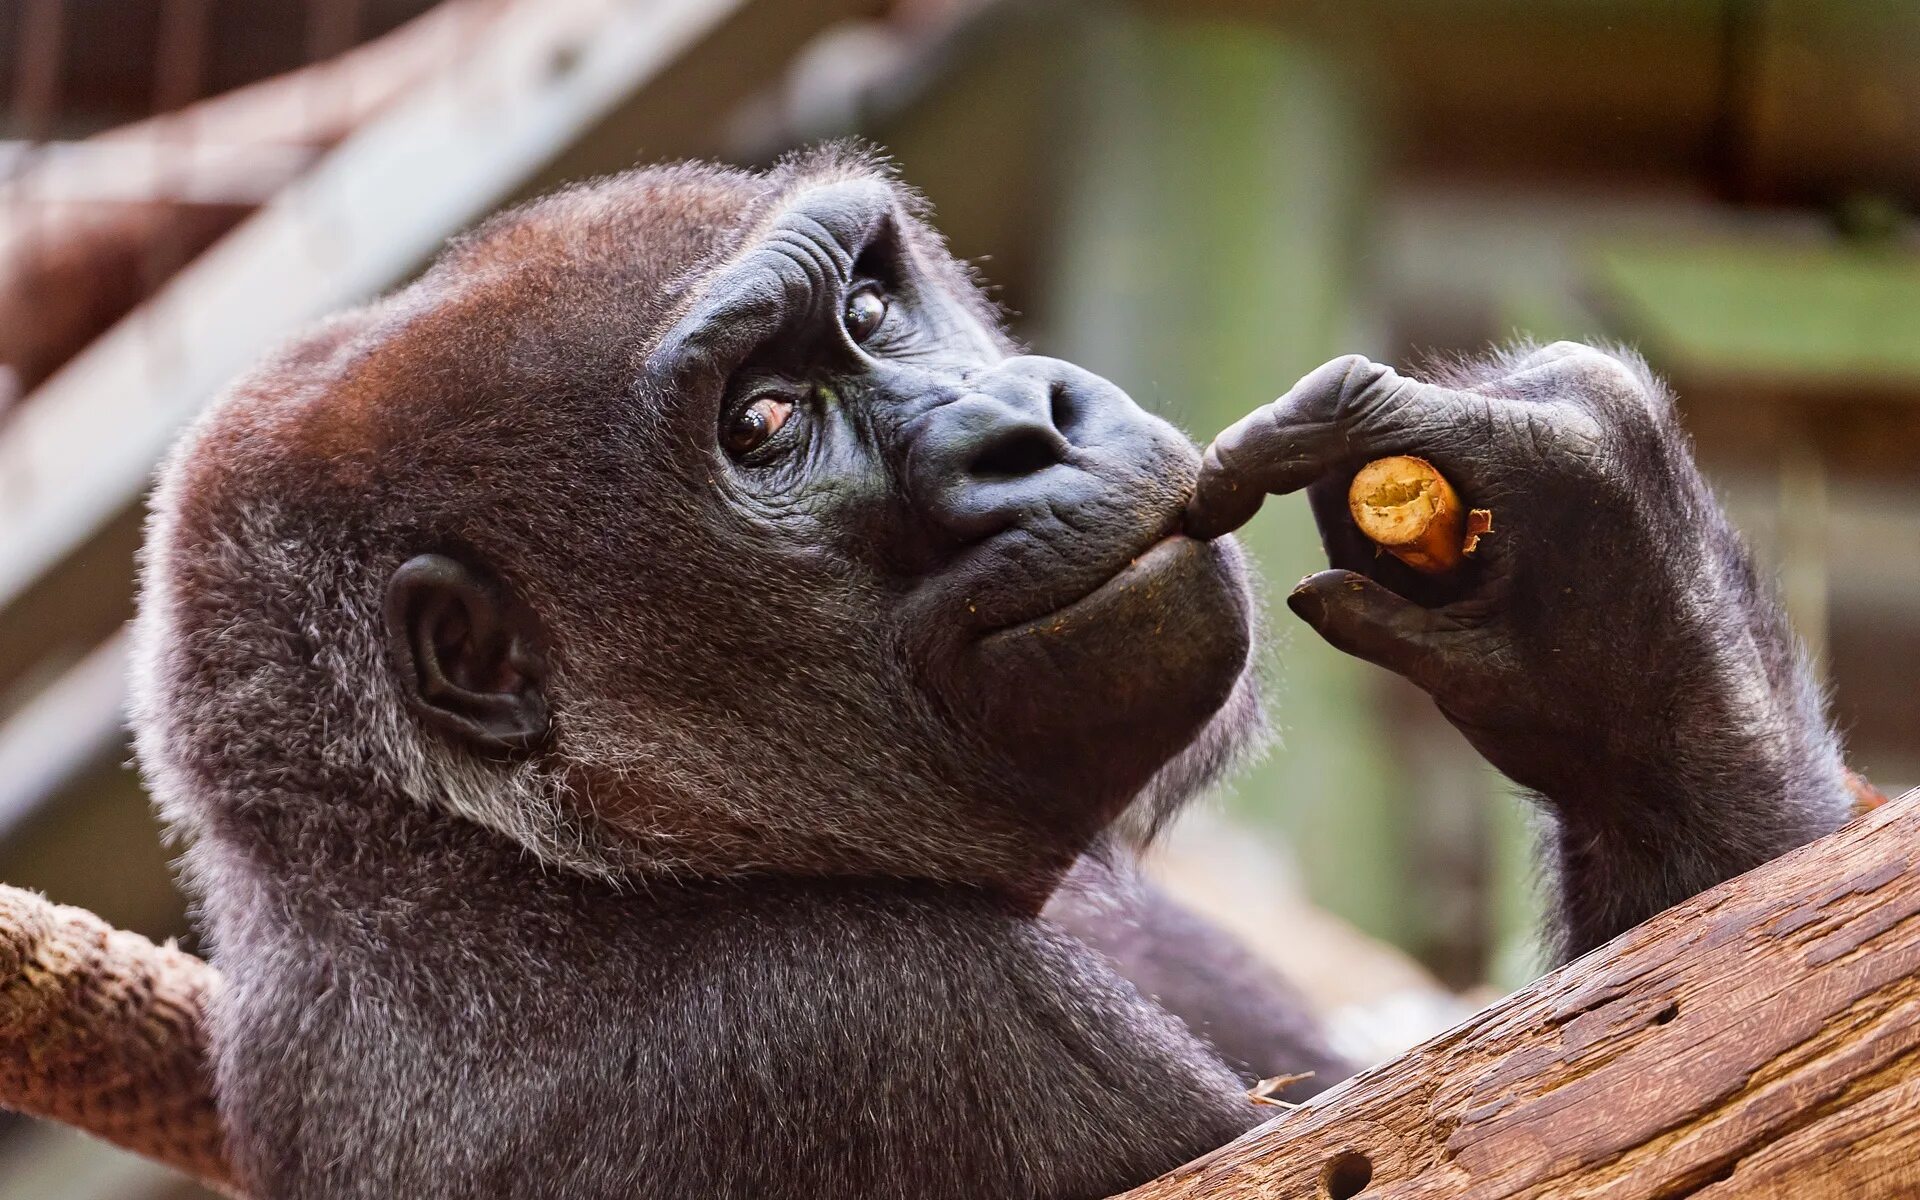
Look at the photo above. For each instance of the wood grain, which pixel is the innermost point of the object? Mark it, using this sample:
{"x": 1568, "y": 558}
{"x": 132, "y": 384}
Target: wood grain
{"x": 1761, "y": 1040}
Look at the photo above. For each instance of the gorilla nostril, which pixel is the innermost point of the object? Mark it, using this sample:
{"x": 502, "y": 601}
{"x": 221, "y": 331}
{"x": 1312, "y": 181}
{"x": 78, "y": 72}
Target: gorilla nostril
{"x": 1027, "y": 450}
{"x": 1062, "y": 407}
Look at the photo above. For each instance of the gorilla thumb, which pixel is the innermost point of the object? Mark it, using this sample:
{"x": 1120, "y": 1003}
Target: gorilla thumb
{"x": 1367, "y": 620}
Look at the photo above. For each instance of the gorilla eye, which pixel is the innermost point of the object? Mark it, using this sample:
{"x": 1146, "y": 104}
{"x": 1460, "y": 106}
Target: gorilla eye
{"x": 753, "y": 425}
{"x": 866, "y": 308}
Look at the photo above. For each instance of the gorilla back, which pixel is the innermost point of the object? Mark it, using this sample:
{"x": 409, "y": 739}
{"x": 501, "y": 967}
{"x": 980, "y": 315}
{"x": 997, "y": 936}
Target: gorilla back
{"x": 630, "y": 694}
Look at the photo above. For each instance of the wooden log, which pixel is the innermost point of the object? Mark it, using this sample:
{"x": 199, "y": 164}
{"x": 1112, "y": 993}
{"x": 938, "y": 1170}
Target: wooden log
{"x": 1760, "y": 1040}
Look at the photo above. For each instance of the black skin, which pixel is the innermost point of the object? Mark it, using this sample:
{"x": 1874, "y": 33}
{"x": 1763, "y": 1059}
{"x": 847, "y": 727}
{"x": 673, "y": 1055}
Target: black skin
{"x": 636, "y": 696}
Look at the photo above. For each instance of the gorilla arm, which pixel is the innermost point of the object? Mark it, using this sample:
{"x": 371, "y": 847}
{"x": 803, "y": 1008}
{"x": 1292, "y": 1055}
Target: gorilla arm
{"x": 1252, "y": 1016}
{"x": 1610, "y": 647}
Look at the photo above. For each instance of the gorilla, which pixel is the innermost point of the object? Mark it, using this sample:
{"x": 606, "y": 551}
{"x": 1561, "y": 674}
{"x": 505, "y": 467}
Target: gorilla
{"x": 653, "y": 705}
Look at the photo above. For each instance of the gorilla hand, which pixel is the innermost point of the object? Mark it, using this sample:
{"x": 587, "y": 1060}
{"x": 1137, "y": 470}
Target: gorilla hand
{"x": 1608, "y": 646}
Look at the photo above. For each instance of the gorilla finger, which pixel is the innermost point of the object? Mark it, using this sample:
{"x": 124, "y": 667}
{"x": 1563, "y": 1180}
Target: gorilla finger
{"x": 1339, "y": 415}
{"x": 1293, "y": 438}
{"x": 1365, "y": 619}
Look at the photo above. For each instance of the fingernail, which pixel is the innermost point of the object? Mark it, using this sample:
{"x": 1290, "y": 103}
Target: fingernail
{"x": 1307, "y": 604}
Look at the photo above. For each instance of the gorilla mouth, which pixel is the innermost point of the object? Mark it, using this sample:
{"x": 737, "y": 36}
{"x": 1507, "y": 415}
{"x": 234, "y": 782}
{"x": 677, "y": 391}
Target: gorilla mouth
{"x": 1144, "y": 572}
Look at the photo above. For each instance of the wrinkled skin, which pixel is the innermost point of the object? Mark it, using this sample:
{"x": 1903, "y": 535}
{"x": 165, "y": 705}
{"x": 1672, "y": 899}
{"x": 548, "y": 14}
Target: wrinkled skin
{"x": 1024, "y": 512}
{"x": 635, "y": 694}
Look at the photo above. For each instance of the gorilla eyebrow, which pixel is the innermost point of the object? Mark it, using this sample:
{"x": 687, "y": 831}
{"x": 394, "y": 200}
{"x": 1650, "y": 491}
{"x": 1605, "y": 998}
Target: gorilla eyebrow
{"x": 811, "y": 242}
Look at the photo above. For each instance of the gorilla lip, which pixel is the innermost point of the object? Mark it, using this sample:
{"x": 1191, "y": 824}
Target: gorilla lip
{"x": 1159, "y": 555}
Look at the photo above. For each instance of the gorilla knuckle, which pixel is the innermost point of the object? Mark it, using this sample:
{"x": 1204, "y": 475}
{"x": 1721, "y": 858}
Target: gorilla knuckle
{"x": 1361, "y": 384}
{"x": 1610, "y": 379}
{"x": 1574, "y": 437}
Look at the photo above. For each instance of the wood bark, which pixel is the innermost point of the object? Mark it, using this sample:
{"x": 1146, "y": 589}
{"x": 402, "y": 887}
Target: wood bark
{"x": 1760, "y": 1040}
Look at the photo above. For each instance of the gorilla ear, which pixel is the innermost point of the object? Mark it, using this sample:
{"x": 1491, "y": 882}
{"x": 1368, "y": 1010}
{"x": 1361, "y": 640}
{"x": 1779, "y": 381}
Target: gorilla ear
{"x": 467, "y": 654}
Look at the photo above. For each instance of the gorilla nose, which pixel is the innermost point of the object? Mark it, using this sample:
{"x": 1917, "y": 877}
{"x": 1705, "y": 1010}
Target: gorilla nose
{"x": 1005, "y": 449}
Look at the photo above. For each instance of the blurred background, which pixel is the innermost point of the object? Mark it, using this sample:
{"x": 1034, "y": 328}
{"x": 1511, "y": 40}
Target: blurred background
{"x": 1200, "y": 199}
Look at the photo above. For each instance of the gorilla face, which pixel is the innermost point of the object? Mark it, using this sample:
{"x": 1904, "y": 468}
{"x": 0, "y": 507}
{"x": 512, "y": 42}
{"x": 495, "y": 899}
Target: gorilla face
{"x": 1026, "y": 512}
{"x": 822, "y": 574}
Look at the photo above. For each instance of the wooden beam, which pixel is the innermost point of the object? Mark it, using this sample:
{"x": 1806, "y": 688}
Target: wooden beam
{"x": 684, "y": 107}
{"x": 1760, "y": 1040}
{"x": 1599, "y": 88}
{"x": 68, "y": 727}
{"x": 88, "y": 228}
{"x": 190, "y": 173}
{"x": 1825, "y": 101}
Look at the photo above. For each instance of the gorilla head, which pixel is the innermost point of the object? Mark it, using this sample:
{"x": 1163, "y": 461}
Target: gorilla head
{"x": 702, "y": 522}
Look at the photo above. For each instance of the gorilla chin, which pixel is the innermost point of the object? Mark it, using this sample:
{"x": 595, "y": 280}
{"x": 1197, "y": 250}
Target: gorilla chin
{"x": 1095, "y": 698}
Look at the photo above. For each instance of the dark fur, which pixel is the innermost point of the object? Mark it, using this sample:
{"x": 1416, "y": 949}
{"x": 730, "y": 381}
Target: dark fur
{"x": 757, "y": 915}
{"x": 1736, "y": 762}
